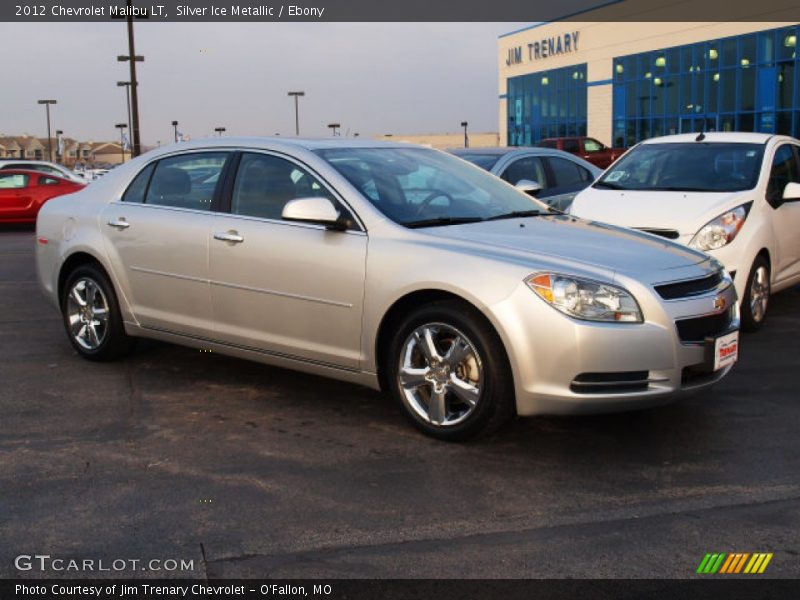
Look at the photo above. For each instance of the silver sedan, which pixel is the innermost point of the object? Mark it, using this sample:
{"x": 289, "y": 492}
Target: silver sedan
{"x": 552, "y": 176}
{"x": 387, "y": 265}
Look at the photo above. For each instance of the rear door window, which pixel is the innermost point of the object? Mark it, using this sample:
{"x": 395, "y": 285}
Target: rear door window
{"x": 186, "y": 181}
{"x": 566, "y": 172}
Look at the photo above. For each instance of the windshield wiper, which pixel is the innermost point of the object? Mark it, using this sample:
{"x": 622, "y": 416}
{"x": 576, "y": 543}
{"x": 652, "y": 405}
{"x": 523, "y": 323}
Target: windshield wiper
{"x": 517, "y": 213}
{"x": 441, "y": 221}
{"x": 609, "y": 185}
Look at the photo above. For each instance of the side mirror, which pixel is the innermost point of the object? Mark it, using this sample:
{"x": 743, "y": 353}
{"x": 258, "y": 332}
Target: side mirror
{"x": 528, "y": 186}
{"x": 791, "y": 191}
{"x": 319, "y": 211}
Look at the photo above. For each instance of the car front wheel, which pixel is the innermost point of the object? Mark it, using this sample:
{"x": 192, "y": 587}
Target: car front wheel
{"x": 92, "y": 317}
{"x": 448, "y": 369}
{"x": 756, "y": 296}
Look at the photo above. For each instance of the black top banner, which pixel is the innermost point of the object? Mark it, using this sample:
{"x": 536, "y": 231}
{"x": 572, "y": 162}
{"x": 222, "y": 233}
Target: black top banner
{"x": 405, "y": 11}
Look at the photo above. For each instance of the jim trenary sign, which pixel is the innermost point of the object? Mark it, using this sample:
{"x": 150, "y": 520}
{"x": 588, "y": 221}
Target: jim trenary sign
{"x": 544, "y": 48}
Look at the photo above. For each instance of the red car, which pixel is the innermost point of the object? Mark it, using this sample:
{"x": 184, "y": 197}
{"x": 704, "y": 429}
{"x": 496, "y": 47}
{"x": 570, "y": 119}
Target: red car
{"x": 23, "y": 192}
{"x": 587, "y": 148}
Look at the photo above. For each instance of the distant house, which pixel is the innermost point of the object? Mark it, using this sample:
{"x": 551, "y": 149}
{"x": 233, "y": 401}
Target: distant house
{"x": 72, "y": 153}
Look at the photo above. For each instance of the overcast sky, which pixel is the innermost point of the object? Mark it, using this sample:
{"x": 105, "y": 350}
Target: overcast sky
{"x": 373, "y": 78}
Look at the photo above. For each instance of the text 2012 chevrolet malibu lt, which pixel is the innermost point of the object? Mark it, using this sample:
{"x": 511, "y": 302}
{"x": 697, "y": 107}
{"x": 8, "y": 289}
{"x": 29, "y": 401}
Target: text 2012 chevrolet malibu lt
{"x": 388, "y": 265}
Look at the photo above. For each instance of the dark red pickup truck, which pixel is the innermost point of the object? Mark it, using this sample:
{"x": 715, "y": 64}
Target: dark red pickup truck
{"x": 585, "y": 147}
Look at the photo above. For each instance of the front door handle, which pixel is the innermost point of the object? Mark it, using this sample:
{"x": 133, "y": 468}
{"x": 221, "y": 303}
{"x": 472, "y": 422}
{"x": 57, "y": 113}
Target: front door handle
{"x": 119, "y": 224}
{"x": 229, "y": 236}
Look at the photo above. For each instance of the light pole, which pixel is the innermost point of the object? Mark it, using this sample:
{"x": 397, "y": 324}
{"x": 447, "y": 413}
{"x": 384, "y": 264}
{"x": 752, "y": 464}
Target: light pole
{"x": 127, "y": 86}
{"x": 334, "y": 127}
{"x": 132, "y": 58}
{"x": 220, "y": 130}
{"x": 122, "y": 127}
{"x": 47, "y": 104}
{"x": 466, "y": 139}
{"x": 175, "y": 127}
{"x": 296, "y": 112}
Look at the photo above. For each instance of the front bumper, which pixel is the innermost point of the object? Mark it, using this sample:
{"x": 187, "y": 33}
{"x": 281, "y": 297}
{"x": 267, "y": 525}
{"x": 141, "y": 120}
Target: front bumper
{"x": 568, "y": 366}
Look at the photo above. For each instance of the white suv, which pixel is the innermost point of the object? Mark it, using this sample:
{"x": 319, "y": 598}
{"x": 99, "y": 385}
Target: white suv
{"x": 733, "y": 195}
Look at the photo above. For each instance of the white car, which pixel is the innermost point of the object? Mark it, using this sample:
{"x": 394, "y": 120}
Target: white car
{"x": 44, "y": 167}
{"x": 733, "y": 195}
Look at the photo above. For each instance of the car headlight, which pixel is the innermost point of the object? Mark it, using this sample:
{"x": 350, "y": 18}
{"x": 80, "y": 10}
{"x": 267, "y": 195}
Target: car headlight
{"x": 585, "y": 299}
{"x": 722, "y": 230}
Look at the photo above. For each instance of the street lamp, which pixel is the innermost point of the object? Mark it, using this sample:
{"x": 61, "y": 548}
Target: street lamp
{"x": 334, "y": 127}
{"x": 133, "y": 58}
{"x": 466, "y": 139}
{"x": 122, "y": 127}
{"x": 296, "y": 112}
{"x": 47, "y": 104}
{"x": 127, "y": 86}
{"x": 175, "y": 126}
{"x": 220, "y": 130}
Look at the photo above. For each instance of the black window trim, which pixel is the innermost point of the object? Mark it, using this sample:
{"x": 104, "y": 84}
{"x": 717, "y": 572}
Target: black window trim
{"x": 215, "y": 199}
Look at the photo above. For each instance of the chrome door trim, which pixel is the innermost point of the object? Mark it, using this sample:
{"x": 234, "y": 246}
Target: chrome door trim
{"x": 168, "y": 274}
{"x": 236, "y": 286}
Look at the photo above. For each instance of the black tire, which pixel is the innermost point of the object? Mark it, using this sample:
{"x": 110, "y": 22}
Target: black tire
{"x": 495, "y": 404}
{"x": 753, "y": 315}
{"x": 114, "y": 343}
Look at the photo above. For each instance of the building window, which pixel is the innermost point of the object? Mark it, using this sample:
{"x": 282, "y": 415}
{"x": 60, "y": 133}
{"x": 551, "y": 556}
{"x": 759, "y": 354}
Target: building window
{"x": 546, "y": 104}
{"x": 741, "y": 83}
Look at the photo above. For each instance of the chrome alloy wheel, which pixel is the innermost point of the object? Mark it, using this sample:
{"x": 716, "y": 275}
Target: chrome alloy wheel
{"x": 759, "y": 293}
{"x": 87, "y": 313}
{"x": 440, "y": 374}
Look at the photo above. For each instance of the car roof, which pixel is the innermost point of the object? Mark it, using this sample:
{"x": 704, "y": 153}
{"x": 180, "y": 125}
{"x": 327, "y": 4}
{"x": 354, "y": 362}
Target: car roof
{"x": 736, "y": 137}
{"x": 277, "y": 142}
{"x": 27, "y": 161}
{"x": 511, "y": 150}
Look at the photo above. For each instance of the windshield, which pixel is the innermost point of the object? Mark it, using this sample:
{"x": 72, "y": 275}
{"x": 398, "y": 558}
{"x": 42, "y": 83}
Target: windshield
{"x": 686, "y": 167}
{"x": 419, "y": 187}
{"x": 484, "y": 161}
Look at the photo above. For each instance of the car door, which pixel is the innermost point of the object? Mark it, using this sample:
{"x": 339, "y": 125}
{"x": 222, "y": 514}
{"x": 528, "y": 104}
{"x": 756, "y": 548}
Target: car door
{"x": 786, "y": 217}
{"x": 567, "y": 179}
{"x": 287, "y": 288}
{"x": 157, "y": 236}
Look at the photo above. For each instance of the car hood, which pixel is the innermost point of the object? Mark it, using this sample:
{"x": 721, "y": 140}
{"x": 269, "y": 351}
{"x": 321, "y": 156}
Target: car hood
{"x": 565, "y": 240}
{"x": 685, "y": 212}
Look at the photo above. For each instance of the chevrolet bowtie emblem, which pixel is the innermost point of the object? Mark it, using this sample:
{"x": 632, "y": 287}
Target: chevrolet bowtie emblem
{"x": 719, "y": 303}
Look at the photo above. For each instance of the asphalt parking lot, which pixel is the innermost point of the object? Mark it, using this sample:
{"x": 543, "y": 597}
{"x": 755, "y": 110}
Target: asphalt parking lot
{"x": 255, "y": 471}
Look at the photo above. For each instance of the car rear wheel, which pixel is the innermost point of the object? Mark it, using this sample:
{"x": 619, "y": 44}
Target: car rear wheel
{"x": 756, "y": 296}
{"x": 448, "y": 370}
{"x": 92, "y": 317}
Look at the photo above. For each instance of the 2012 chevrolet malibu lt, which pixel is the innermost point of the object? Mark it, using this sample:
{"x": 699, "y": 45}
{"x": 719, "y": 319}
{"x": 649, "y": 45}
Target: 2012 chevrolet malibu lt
{"x": 389, "y": 265}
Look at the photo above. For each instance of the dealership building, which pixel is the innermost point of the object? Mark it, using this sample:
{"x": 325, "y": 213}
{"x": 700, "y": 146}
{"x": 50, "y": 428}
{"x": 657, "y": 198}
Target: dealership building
{"x": 621, "y": 81}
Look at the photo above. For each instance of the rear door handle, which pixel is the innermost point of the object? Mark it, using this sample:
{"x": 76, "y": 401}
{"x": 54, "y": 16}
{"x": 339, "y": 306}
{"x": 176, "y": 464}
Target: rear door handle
{"x": 119, "y": 224}
{"x": 229, "y": 236}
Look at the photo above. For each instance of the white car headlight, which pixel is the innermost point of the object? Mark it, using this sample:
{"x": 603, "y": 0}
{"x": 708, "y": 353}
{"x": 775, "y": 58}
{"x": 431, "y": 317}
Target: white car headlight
{"x": 585, "y": 299}
{"x": 721, "y": 231}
